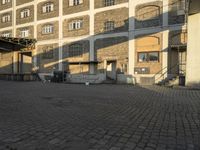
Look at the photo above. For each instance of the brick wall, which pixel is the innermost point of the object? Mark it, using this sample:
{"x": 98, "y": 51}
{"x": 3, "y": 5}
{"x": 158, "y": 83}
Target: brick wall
{"x": 6, "y": 62}
{"x": 5, "y": 6}
{"x": 148, "y": 14}
{"x": 101, "y": 3}
{"x": 6, "y": 31}
{"x": 76, "y": 68}
{"x": 54, "y": 35}
{"x": 47, "y": 65}
{"x": 31, "y": 31}
{"x": 5, "y": 24}
{"x": 115, "y": 48}
{"x": 20, "y": 2}
{"x": 55, "y": 13}
{"x": 20, "y": 20}
{"x": 84, "y": 57}
{"x": 151, "y": 43}
{"x": 74, "y": 9}
{"x": 119, "y": 16}
{"x": 78, "y": 32}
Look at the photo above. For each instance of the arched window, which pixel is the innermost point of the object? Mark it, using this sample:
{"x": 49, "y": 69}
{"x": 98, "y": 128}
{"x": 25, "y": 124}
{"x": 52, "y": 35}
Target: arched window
{"x": 6, "y": 18}
{"x": 75, "y": 2}
{"x": 47, "y": 29}
{"x": 48, "y": 7}
{"x": 47, "y": 52}
{"x": 25, "y": 13}
{"x": 24, "y": 33}
{"x": 6, "y": 34}
{"x": 109, "y": 26}
{"x": 109, "y": 2}
{"x": 76, "y": 24}
{"x": 76, "y": 50}
{"x": 148, "y": 16}
{"x": 5, "y": 1}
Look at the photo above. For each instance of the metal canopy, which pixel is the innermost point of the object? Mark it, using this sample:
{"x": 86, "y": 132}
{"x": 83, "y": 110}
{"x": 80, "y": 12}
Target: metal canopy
{"x": 16, "y": 44}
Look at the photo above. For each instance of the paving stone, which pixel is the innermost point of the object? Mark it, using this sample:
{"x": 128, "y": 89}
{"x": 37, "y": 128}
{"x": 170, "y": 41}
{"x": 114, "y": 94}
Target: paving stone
{"x": 97, "y": 117}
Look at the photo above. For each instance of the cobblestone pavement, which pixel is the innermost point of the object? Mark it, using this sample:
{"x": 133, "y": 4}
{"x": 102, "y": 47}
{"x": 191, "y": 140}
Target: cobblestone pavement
{"x": 36, "y": 116}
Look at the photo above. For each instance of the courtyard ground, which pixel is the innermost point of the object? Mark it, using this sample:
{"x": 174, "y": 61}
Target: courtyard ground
{"x": 37, "y": 116}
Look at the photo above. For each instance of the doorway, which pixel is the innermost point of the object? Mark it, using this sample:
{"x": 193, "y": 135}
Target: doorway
{"x": 25, "y": 62}
{"x": 178, "y": 57}
{"x": 111, "y": 70}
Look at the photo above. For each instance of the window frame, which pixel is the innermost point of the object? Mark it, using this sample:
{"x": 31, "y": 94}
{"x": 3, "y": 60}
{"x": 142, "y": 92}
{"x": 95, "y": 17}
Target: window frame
{"x": 76, "y": 50}
{"x": 75, "y": 25}
{"x": 25, "y": 13}
{"x": 47, "y": 29}
{"x": 47, "y": 52}
{"x": 109, "y": 3}
{"x": 6, "y": 34}
{"x": 3, "y": 2}
{"x": 6, "y": 18}
{"x": 109, "y": 26}
{"x": 75, "y": 2}
{"x": 147, "y": 53}
{"x": 24, "y": 33}
{"x": 47, "y": 7}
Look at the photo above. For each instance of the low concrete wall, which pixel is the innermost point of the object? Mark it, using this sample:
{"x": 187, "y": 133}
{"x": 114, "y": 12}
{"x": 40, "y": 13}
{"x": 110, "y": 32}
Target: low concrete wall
{"x": 125, "y": 79}
{"x": 82, "y": 78}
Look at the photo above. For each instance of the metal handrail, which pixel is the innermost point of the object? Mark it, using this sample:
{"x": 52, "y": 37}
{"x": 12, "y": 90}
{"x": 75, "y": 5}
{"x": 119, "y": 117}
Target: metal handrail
{"x": 168, "y": 70}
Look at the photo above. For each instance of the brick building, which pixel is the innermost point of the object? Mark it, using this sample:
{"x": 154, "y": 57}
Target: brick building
{"x": 144, "y": 38}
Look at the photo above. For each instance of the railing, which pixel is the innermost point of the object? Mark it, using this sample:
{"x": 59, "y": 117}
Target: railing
{"x": 164, "y": 74}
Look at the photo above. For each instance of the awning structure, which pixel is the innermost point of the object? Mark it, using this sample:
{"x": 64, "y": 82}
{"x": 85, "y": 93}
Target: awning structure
{"x": 16, "y": 44}
{"x": 178, "y": 45}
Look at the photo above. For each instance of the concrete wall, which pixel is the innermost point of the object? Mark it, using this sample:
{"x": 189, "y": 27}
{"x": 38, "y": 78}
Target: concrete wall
{"x": 193, "y": 51}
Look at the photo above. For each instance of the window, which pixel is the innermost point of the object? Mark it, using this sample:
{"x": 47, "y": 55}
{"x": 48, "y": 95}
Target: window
{"x": 143, "y": 57}
{"x": 179, "y": 6}
{"x": 109, "y": 26}
{"x": 47, "y": 29}
{"x": 5, "y": 1}
{"x": 47, "y": 52}
{"x": 148, "y": 57}
{"x": 74, "y": 25}
{"x": 24, "y": 33}
{"x": 75, "y": 2}
{"x": 109, "y": 2}
{"x": 154, "y": 56}
{"x": 48, "y": 7}
{"x": 25, "y": 13}
{"x": 6, "y": 34}
{"x": 6, "y": 18}
{"x": 75, "y": 50}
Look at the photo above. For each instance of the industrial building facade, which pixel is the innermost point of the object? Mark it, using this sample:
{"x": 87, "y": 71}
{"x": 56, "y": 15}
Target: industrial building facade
{"x": 142, "y": 38}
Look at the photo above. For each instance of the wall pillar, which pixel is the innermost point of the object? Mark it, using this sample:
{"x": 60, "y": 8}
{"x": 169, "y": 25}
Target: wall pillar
{"x": 131, "y": 41}
{"x": 91, "y": 51}
{"x": 193, "y": 51}
{"x": 165, "y": 37}
{"x": 60, "y": 44}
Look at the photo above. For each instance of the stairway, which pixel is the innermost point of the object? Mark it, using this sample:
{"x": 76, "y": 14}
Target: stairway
{"x": 170, "y": 81}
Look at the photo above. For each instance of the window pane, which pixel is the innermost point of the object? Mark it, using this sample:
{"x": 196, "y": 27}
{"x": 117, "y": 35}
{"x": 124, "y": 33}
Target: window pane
{"x": 75, "y": 50}
{"x": 142, "y": 57}
{"x": 154, "y": 56}
{"x": 109, "y": 26}
{"x": 109, "y": 2}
